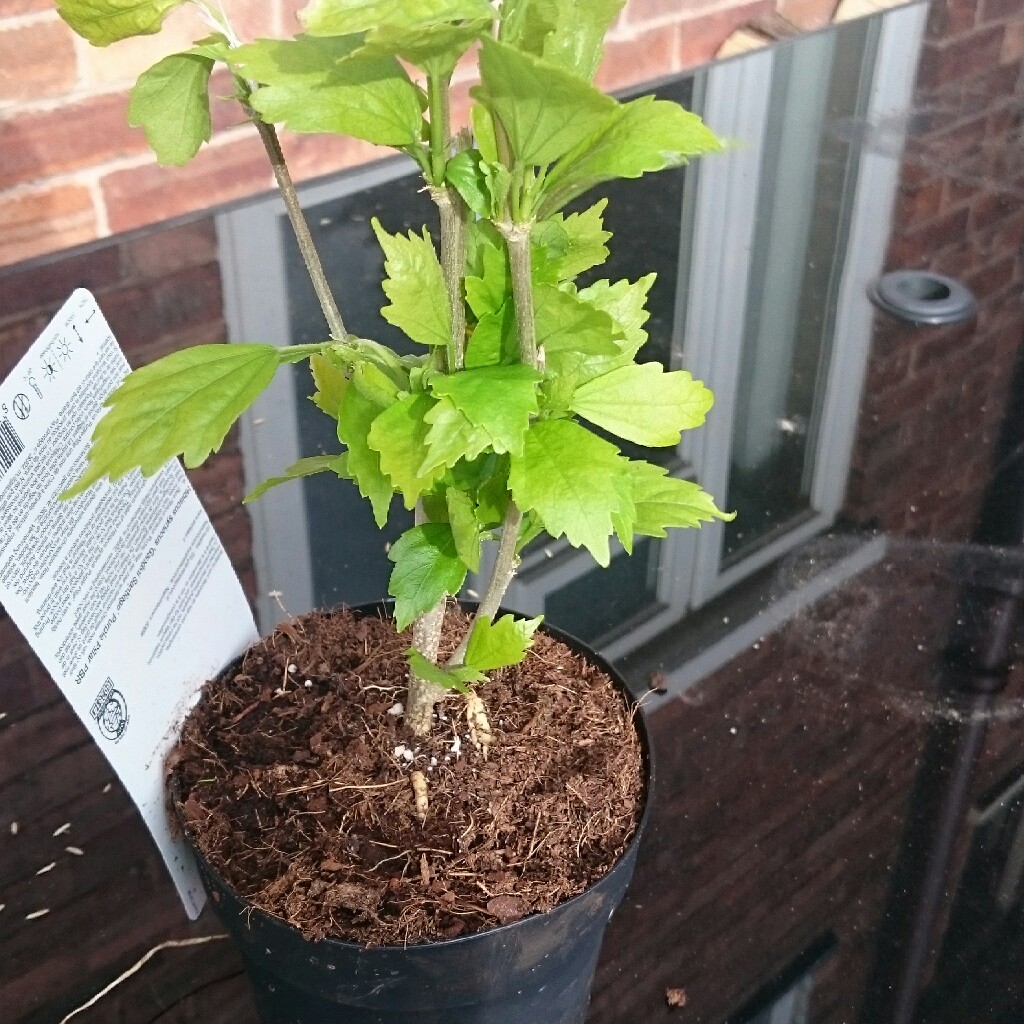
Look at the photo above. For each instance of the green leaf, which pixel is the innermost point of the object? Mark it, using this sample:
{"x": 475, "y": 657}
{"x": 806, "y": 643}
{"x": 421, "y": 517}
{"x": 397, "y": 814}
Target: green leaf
{"x": 317, "y": 85}
{"x": 399, "y": 435}
{"x": 427, "y": 568}
{"x": 526, "y": 23}
{"x": 575, "y": 243}
{"x": 415, "y": 286}
{"x": 487, "y": 291}
{"x": 171, "y": 104}
{"x": 626, "y": 304}
{"x": 355, "y": 419}
{"x": 565, "y": 323}
{"x": 498, "y": 399}
{"x": 455, "y": 678}
{"x": 545, "y": 111}
{"x": 465, "y": 174}
{"x": 494, "y": 340}
{"x": 643, "y": 135}
{"x": 106, "y": 21}
{"x": 341, "y": 17}
{"x": 374, "y": 384}
{"x": 483, "y": 132}
{"x": 451, "y": 438}
{"x": 643, "y": 403}
{"x": 331, "y": 383}
{"x": 566, "y": 475}
{"x": 500, "y": 643}
{"x": 183, "y": 404}
{"x": 435, "y": 49}
{"x": 663, "y": 501}
{"x": 304, "y": 467}
{"x": 624, "y": 520}
{"x": 575, "y": 43}
{"x": 465, "y": 527}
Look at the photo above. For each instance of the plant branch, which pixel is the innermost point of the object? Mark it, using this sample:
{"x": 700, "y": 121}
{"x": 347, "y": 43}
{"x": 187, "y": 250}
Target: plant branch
{"x": 298, "y": 221}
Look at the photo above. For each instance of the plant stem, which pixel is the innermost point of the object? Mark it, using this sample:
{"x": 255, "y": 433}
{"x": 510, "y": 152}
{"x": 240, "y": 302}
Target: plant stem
{"x": 505, "y": 565}
{"x": 517, "y": 240}
{"x": 298, "y": 221}
{"x": 452, "y": 211}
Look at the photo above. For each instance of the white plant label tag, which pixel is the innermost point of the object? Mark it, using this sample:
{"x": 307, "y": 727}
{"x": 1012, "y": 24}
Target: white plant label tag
{"x": 125, "y": 593}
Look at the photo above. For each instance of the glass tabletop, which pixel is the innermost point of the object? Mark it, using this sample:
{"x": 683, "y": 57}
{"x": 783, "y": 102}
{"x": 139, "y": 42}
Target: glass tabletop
{"x": 830, "y": 681}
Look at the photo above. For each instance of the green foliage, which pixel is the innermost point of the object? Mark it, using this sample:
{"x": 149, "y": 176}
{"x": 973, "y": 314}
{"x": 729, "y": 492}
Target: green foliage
{"x": 500, "y": 643}
{"x": 183, "y": 404}
{"x": 322, "y": 85}
{"x": 544, "y": 110}
{"x": 565, "y": 475}
{"x": 477, "y": 423}
{"x": 171, "y": 103}
{"x": 427, "y": 568}
{"x": 337, "y": 464}
{"x": 415, "y": 286}
{"x": 107, "y": 21}
{"x": 643, "y": 403}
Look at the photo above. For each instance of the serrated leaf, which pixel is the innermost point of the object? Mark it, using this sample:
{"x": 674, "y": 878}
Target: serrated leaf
{"x": 455, "y": 678}
{"x": 575, "y": 243}
{"x": 643, "y": 135}
{"x": 526, "y": 23}
{"x": 663, "y": 501}
{"x": 183, "y": 404}
{"x": 465, "y": 527}
{"x": 500, "y": 643}
{"x": 498, "y": 399}
{"x": 318, "y": 85}
{"x": 451, "y": 437}
{"x": 427, "y": 568}
{"x": 576, "y": 41}
{"x": 494, "y": 340}
{"x": 106, "y": 21}
{"x": 330, "y": 382}
{"x": 644, "y": 403}
{"x": 465, "y": 175}
{"x": 355, "y": 419}
{"x": 566, "y": 475}
{"x": 624, "y": 520}
{"x": 399, "y": 435}
{"x": 565, "y": 323}
{"x": 341, "y": 17}
{"x": 171, "y": 103}
{"x": 337, "y": 464}
{"x": 415, "y": 286}
{"x": 544, "y": 110}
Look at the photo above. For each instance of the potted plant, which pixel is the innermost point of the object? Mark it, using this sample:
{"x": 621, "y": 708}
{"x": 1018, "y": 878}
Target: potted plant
{"x": 422, "y": 724}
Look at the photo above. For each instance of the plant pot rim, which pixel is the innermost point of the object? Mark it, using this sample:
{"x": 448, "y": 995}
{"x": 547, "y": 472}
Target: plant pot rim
{"x": 639, "y": 722}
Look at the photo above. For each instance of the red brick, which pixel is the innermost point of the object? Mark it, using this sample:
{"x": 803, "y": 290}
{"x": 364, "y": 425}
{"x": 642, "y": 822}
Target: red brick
{"x": 951, "y": 18}
{"x": 640, "y": 58}
{"x": 702, "y": 37}
{"x": 42, "y": 222}
{"x": 219, "y": 174}
{"x": 913, "y": 248}
{"x": 310, "y": 156}
{"x": 219, "y": 483}
{"x": 160, "y": 252}
{"x": 998, "y": 10}
{"x": 36, "y": 61}
{"x": 15, "y": 340}
{"x": 638, "y": 11}
{"x": 46, "y": 286}
{"x": 145, "y": 313}
{"x": 914, "y": 206}
{"x": 808, "y": 14}
{"x": 13, "y": 8}
{"x": 961, "y": 57}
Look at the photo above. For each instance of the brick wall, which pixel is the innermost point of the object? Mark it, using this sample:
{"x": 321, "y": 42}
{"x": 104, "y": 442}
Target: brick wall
{"x": 60, "y": 188}
{"x": 935, "y": 396}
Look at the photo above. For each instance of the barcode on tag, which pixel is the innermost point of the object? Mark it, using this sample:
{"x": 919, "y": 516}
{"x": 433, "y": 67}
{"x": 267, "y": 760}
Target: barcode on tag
{"x": 11, "y": 445}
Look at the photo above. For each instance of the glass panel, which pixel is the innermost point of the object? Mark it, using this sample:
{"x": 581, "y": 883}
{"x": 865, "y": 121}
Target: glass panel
{"x": 801, "y": 233}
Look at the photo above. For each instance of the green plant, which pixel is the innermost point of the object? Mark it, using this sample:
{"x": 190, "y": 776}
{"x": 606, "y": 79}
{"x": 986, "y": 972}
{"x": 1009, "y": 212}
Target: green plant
{"x": 480, "y": 434}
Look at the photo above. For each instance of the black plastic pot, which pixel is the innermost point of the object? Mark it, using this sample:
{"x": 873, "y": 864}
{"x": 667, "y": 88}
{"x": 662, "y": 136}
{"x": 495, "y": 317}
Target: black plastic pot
{"x": 536, "y": 971}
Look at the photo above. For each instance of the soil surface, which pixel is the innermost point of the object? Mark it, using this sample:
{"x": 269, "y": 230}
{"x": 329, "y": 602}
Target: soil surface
{"x": 295, "y": 783}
